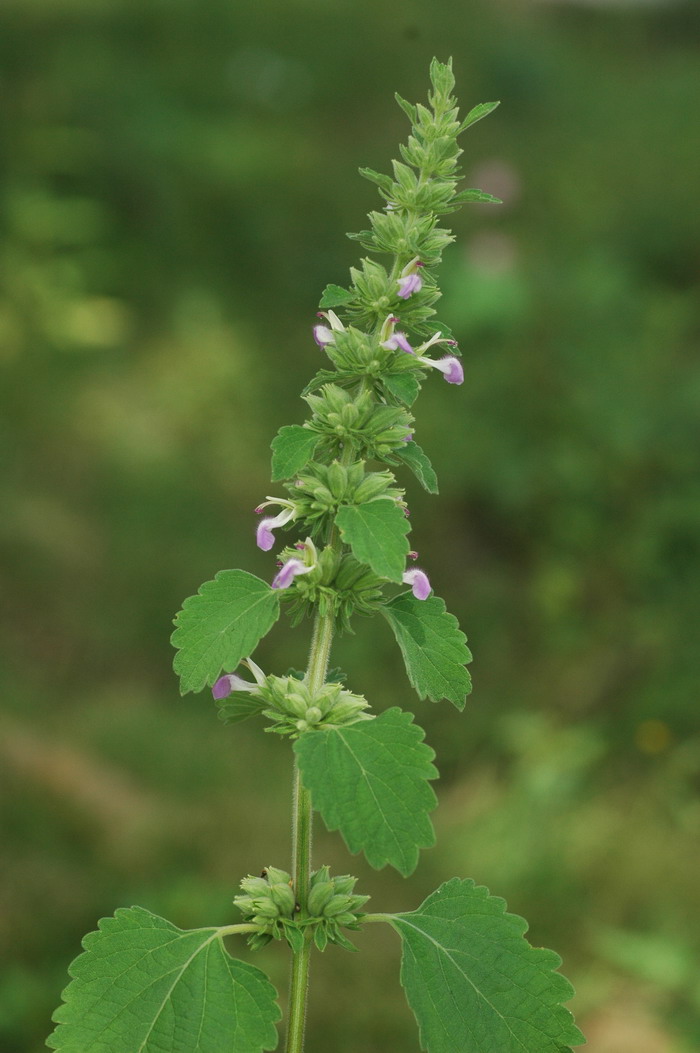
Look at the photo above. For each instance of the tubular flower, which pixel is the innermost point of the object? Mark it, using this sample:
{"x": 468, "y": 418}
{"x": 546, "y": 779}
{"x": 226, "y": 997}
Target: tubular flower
{"x": 419, "y": 582}
{"x": 323, "y": 334}
{"x": 410, "y": 280}
{"x": 295, "y": 566}
{"x": 392, "y": 340}
{"x": 450, "y": 366}
{"x": 229, "y": 683}
{"x": 264, "y": 536}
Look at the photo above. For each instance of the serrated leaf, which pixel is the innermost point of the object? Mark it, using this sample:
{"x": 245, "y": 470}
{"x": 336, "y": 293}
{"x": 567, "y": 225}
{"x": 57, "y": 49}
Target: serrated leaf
{"x": 238, "y": 707}
{"x": 419, "y": 463}
{"x": 335, "y": 296}
{"x": 475, "y": 195}
{"x": 376, "y": 533}
{"x": 369, "y": 781}
{"x": 404, "y": 386}
{"x": 433, "y": 646}
{"x": 476, "y": 114}
{"x": 221, "y": 625}
{"x": 144, "y": 986}
{"x": 475, "y": 984}
{"x": 292, "y": 449}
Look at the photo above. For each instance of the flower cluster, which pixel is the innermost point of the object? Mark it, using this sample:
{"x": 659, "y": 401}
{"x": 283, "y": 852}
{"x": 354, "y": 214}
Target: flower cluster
{"x": 290, "y": 703}
{"x": 269, "y": 903}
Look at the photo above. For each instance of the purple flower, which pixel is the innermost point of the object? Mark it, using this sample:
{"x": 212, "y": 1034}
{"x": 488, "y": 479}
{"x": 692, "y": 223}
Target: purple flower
{"x": 295, "y": 566}
{"x": 398, "y": 342}
{"x": 284, "y": 578}
{"x": 452, "y": 369}
{"x": 410, "y": 284}
{"x": 264, "y": 537}
{"x": 226, "y": 685}
{"x": 418, "y": 580}
{"x": 450, "y": 365}
{"x": 410, "y": 280}
{"x": 229, "y": 683}
{"x": 323, "y": 335}
{"x": 392, "y": 340}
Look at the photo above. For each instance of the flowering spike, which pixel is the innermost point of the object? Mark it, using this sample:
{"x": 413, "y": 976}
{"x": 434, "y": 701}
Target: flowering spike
{"x": 419, "y": 582}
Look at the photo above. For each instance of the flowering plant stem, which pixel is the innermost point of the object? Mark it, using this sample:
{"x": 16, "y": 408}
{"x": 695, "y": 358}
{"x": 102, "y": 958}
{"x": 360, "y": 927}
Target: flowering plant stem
{"x": 302, "y": 831}
{"x": 471, "y": 979}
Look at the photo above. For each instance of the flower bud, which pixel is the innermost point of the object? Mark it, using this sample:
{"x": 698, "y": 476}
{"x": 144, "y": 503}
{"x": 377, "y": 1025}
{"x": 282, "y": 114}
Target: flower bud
{"x": 319, "y": 897}
{"x": 337, "y": 480}
{"x": 283, "y": 897}
{"x": 337, "y": 905}
{"x": 373, "y": 485}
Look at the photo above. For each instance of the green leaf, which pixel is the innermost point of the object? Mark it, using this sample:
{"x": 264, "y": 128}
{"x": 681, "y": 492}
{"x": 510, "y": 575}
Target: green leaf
{"x": 433, "y": 646}
{"x": 476, "y": 114}
{"x": 292, "y": 449}
{"x": 404, "y": 386}
{"x": 238, "y": 707}
{"x": 325, "y": 376}
{"x": 475, "y": 195}
{"x": 376, "y": 533}
{"x": 335, "y": 296}
{"x": 407, "y": 107}
{"x": 144, "y": 986}
{"x": 381, "y": 180}
{"x": 420, "y": 465}
{"x": 221, "y": 625}
{"x": 473, "y": 981}
{"x": 369, "y": 781}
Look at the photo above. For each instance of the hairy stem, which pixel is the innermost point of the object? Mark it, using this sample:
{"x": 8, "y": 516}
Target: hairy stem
{"x": 301, "y": 845}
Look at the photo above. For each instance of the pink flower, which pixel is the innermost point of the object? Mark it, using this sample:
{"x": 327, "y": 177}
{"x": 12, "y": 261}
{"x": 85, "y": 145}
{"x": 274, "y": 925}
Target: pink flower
{"x": 231, "y": 682}
{"x": 419, "y": 582}
{"x": 295, "y": 566}
{"x": 264, "y": 536}
{"x": 410, "y": 281}
{"x": 323, "y": 335}
{"x": 289, "y": 572}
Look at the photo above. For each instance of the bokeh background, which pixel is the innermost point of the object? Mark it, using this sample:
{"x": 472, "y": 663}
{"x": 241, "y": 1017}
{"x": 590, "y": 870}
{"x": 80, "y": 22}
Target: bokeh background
{"x": 177, "y": 178}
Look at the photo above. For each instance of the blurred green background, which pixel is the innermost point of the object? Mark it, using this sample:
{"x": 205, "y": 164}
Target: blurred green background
{"x": 177, "y": 177}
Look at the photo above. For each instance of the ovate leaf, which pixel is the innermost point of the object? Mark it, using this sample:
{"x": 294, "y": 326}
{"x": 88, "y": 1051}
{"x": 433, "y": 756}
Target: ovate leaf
{"x": 221, "y": 625}
{"x": 145, "y": 986}
{"x": 419, "y": 463}
{"x": 376, "y": 533}
{"x": 434, "y": 648}
{"x": 474, "y": 982}
{"x": 369, "y": 780}
{"x": 403, "y": 386}
{"x": 292, "y": 448}
{"x": 335, "y": 296}
{"x": 476, "y": 114}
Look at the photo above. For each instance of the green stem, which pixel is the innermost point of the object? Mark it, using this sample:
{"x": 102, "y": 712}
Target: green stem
{"x": 301, "y": 845}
